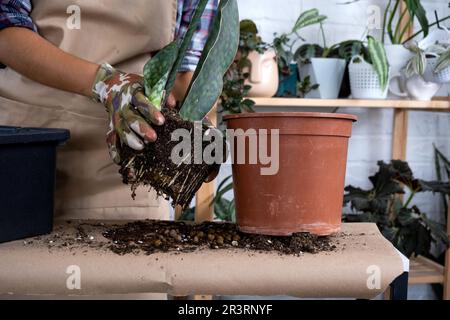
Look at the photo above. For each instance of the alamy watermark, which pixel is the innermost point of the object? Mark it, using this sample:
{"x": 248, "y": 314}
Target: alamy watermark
{"x": 252, "y": 146}
{"x": 73, "y": 22}
{"x": 374, "y": 278}
{"x": 73, "y": 281}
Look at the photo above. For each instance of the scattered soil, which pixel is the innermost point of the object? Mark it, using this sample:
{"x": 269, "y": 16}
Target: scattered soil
{"x": 165, "y": 236}
{"x": 154, "y": 168}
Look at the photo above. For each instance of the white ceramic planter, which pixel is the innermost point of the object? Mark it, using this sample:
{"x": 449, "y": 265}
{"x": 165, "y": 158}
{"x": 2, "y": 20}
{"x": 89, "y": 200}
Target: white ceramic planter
{"x": 327, "y": 73}
{"x": 398, "y": 56}
{"x": 263, "y": 74}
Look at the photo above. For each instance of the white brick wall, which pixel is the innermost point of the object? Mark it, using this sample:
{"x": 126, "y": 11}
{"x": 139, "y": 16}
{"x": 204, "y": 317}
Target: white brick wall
{"x": 371, "y": 140}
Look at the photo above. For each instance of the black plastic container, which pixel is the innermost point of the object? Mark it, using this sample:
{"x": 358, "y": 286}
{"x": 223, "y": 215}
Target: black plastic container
{"x": 27, "y": 180}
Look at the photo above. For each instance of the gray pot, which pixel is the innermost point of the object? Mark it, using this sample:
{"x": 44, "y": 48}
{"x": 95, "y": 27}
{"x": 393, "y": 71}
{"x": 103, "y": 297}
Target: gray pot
{"x": 327, "y": 73}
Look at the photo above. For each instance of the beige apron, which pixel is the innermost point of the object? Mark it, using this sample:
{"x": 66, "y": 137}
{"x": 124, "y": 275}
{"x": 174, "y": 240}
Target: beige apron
{"x": 122, "y": 33}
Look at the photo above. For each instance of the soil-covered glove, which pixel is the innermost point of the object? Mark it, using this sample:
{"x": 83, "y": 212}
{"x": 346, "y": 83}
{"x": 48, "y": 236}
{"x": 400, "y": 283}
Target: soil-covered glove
{"x": 130, "y": 112}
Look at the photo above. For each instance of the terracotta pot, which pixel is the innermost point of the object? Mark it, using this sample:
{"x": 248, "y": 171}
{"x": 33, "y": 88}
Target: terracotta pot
{"x": 306, "y": 194}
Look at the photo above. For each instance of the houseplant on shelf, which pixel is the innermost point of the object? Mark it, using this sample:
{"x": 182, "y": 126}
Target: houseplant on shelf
{"x": 322, "y": 67}
{"x": 153, "y": 166}
{"x": 409, "y": 229}
{"x": 369, "y": 75}
{"x": 406, "y": 11}
{"x": 283, "y": 45}
{"x": 424, "y": 72}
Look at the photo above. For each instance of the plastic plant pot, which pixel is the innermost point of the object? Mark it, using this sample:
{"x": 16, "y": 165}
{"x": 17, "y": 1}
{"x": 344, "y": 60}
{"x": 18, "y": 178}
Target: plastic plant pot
{"x": 27, "y": 180}
{"x": 306, "y": 193}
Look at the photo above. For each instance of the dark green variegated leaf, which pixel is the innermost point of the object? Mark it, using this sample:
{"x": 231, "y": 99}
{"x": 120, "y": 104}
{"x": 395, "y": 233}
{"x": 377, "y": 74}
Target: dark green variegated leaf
{"x": 383, "y": 181}
{"x": 379, "y": 61}
{"x": 308, "y": 18}
{"x": 437, "y": 229}
{"x": 307, "y": 51}
{"x": 218, "y": 54}
{"x": 156, "y": 73}
{"x": 407, "y": 216}
{"x": 434, "y": 186}
{"x": 184, "y": 45}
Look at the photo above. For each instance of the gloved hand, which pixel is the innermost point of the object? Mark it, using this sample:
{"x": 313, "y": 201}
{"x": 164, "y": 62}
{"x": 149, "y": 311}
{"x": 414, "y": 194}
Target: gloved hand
{"x": 130, "y": 112}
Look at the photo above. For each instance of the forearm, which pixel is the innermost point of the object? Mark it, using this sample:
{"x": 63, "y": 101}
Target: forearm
{"x": 181, "y": 85}
{"x": 34, "y": 57}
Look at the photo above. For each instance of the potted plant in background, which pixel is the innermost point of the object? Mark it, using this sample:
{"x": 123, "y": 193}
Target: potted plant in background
{"x": 322, "y": 67}
{"x": 403, "y": 223}
{"x": 284, "y": 46}
{"x": 407, "y": 12}
{"x": 396, "y": 29}
{"x": 430, "y": 62}
{"x": 369, "y": 74}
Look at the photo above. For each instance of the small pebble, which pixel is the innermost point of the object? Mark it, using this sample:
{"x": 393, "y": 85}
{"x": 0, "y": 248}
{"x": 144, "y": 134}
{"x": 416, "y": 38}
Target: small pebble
{"x": 234, "y": 243}
{"x": 91, "y": 238}
{"x": 173, "y": 234}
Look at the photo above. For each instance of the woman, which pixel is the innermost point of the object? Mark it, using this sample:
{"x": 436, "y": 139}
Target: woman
{"x": 59, "y": 73}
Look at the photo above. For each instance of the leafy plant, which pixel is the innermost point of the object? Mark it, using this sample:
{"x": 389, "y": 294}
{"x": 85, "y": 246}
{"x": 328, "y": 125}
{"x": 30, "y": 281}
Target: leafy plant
{"x": 402, "y": 223}
{"x": 442, "y": 166}
{"x": 224, "y": 209}
{"x": 418, "y": 63}
{"x": 375, "y": 54}
{"x": 379, "y": 60}
{"x": 233, "y": 98}
{"x": 218, "y": 54}
{"x": 304, "y": 87}
{"x": 413, "y": 10}
{"x": 283, "y": 45}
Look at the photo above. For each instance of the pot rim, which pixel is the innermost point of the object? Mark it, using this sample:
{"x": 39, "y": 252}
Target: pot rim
{"x": 322, "y": 115}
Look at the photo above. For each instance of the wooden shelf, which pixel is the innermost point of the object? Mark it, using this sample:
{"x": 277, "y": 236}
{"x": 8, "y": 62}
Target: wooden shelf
{"x": 436, "y": 104}
{"x": 423, "y": 271}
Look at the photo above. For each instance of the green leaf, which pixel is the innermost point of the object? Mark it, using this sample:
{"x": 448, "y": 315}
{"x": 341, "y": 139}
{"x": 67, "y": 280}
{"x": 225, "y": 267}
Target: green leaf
{"x": 248, "y": 26}
{"x": 379, "y": 61}
{"x": 308, "y": 18}
{"x": 416, "y": 9}
{"x": 307, "y": 51}
{"x": 443, "y": 62}
{"x": 348, "y": 49}
{"x": 156, "y": 73}
{"x": 417, "y": 64}
{"x": 434, "y": 186}
{"x": 218, "y": 54}
{"x": 183, "y": 47}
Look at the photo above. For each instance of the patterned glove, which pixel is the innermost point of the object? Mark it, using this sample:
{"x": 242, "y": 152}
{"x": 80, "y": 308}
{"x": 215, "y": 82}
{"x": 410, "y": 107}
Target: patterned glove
{"x": 130, "y": 112}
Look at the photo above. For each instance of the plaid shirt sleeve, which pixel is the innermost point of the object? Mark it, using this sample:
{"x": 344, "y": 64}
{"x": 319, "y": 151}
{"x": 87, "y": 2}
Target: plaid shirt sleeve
{"x": 16, "y": 13}
{"x": 186, "y": 10}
